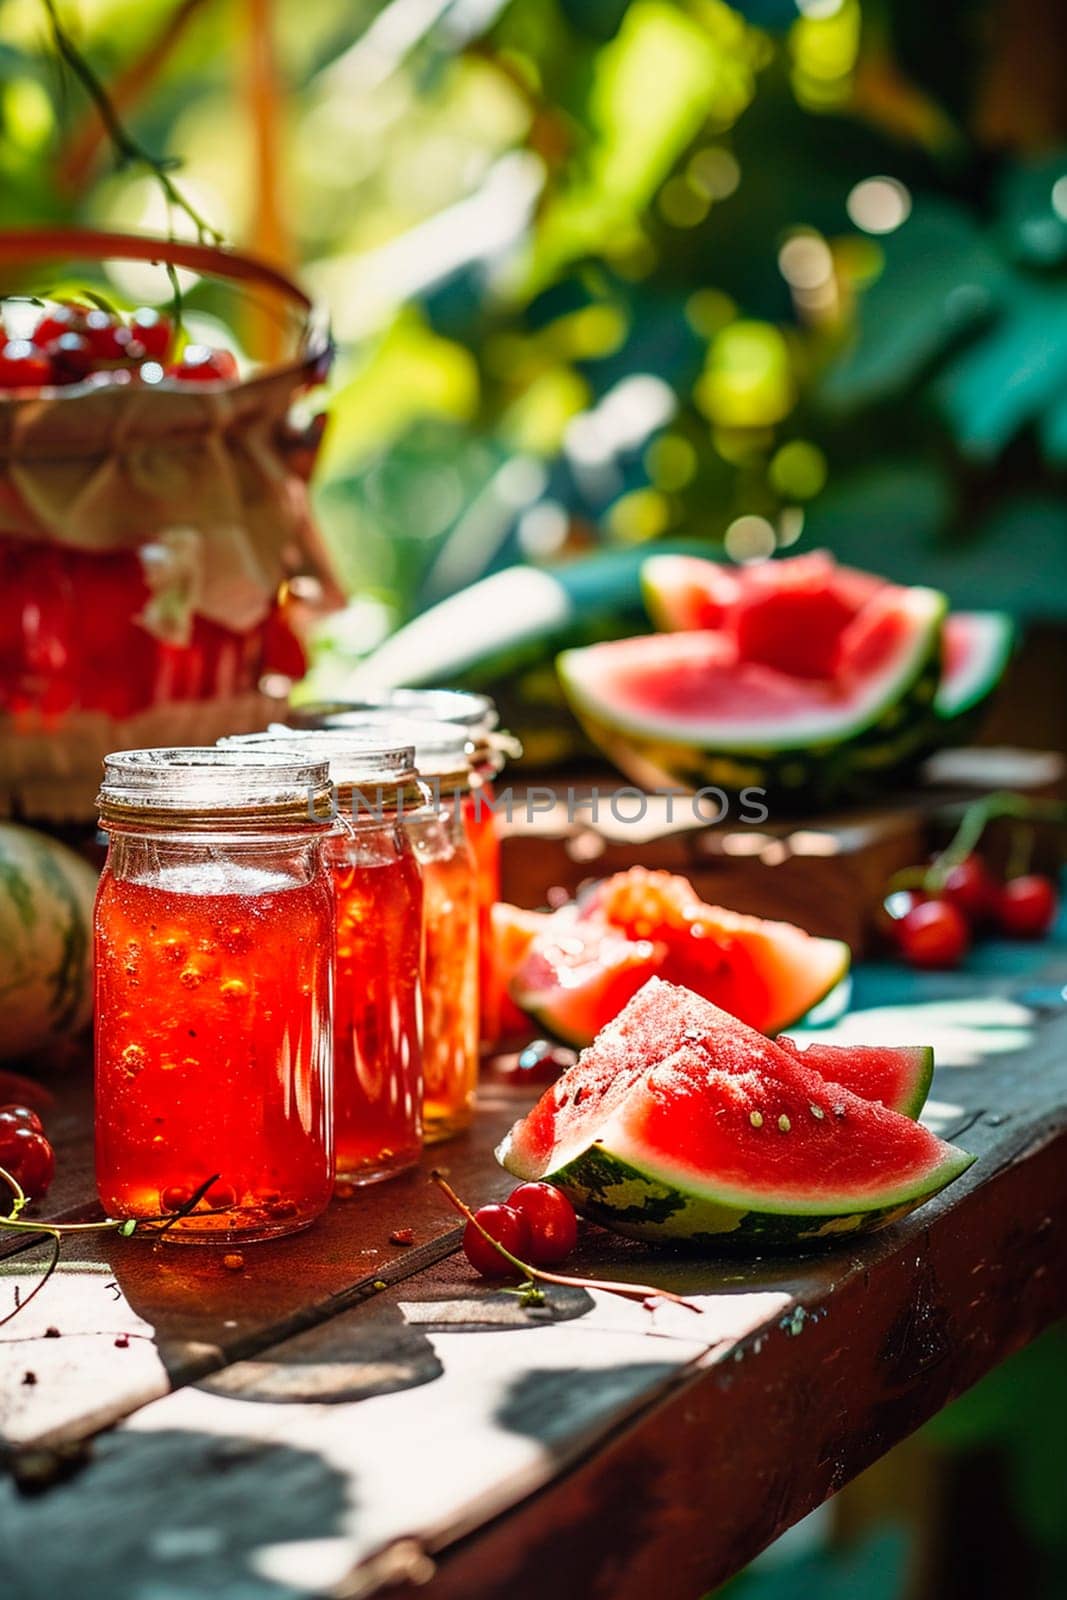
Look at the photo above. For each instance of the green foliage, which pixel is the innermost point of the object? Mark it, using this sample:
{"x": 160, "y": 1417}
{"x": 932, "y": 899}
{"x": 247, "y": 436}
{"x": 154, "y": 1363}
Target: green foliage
{"x": 608, "y": 270}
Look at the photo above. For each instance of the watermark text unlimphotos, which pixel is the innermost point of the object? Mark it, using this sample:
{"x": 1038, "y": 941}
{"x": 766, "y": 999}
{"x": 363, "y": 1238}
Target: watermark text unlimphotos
{"x": 566, "y": 804}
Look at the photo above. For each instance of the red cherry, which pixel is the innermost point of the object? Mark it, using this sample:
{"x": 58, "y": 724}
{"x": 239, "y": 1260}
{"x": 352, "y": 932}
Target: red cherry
{"x": 23, "y": 366}
{"x": 934, "y": 934}
{"x": 175, "y": 1197}
{"x": 154, "y": 331}
{"x": 109, "y": 338}
{"x": 506, "y": 1225}
{"x": 970, "y": 888}
{"x": 29, "y": 1158}
{"x": 1026, "y": 907}
{"x": 201, "y": 364}
{"x": 19, "y": 1117}
{"x": 894, "y": 908}
{"x": 60, "y": 320}
{"x": 551, "y": 1220}
{"x": 70, "y": 357}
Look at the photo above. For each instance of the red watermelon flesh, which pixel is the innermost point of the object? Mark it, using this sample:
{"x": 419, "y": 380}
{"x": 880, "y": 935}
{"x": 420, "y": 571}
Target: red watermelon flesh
{"x": 594, "y": 956}
{"x": 898, "y": 1076}
{"x": 687, "y": 1093}
{"x": 691, "y": 1121}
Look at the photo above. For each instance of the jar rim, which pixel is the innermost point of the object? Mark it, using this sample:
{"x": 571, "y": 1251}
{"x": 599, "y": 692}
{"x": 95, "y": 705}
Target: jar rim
{"x": 351, "y": 761}
{"x": 463, "y": 707}
{"x": 202, "y": 783}
{"x": 443, "y": 750}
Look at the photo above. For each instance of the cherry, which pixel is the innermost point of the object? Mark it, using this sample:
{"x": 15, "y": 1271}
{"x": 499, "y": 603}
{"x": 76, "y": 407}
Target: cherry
{"x": 27, "y": 1155}
{"x": 970, "y": 888}
{"x": 70, "y": 357}
{"x": 543, "y": 1062}
{"x": 154, "y": 331}
{"x": 201, "y": 364}
{"x": 551, "y": 1221}
{"x": 504, "y": 1224}
{"x": 109, "y": 338}
{"x": 894, "y": 908}
{"x": 1026, "y": 906}
{"x": 19, "y": 1117}
{"x": 23, "y": 366}
{"x": 934, "y": 934}
{"x": 61, "y": 319}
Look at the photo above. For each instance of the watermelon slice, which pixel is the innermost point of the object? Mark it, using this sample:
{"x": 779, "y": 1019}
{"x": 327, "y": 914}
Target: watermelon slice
{"x": 589, "y": 959}
{"x": 976, "y": 648}
{"x": 513, "y": 932}
{"x": 681, "y": 1125}
{"x": 897, "y": 1076}
{"x": 814, "y": 683}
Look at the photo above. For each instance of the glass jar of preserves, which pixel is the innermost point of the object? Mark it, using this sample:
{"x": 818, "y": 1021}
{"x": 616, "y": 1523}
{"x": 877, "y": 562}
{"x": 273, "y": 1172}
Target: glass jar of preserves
{"x": 377, "y": 1006}
{"x": 490, "y": 747}
{"x": 214, "y": 934}
{"x": 450, "y": 913}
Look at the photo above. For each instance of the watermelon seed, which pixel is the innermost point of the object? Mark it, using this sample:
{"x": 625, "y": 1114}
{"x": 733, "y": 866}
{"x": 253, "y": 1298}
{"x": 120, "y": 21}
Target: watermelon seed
{"x": 784, "y": 1123}
{"x": 818, "y": 1113}
{"x": 756, "y": 1118}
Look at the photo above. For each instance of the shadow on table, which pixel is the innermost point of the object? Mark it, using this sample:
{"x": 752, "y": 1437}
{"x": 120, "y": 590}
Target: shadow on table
{"x": 178, "y": 1512}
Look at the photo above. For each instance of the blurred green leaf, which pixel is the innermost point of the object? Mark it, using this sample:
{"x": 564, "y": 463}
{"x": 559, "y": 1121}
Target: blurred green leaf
{"x": 1010, "y": 374}
{"x": 941, "y": 279}
{"x": 1033, "y": 219}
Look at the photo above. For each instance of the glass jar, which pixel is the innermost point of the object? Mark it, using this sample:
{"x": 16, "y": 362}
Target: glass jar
{"x": 450, "y": 913}
{"x": 378, "y": 900}
{"x": 214, "y": 935}
{"x": 490, "y": 747}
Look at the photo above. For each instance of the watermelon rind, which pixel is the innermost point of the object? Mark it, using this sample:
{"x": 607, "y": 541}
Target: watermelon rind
{"x": 831, "y": 753}
{"x": 991, "y": 640}
{"x": 46, "y": 913}
{"x": 614, "y": 1188}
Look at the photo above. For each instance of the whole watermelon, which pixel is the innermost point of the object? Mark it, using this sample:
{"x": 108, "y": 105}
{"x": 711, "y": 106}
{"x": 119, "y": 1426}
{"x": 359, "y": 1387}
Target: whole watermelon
{"x": 46, "y": 920}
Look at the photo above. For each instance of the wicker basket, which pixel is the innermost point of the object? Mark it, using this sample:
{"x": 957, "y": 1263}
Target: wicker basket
{"x": 151, "y": 536}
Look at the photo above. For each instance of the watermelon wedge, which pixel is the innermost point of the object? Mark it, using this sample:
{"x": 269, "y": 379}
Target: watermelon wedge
{"x": 976, "y": 648}
{"x": 513, "y": 933}
{"x": 681, "y": 1125}
{"x": 813, "y": 683}
{"x": 588, "y": 959}
{"x": 897, "y": 1076}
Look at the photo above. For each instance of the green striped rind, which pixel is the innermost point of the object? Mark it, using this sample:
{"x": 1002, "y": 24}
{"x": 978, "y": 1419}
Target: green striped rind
{"x": 630, "y": 1201}
{"x": 858, "y": 764}
{"x": 919, "y": 1091}
{"x": 992, "y": 644}
{"x": 46, "y": 907}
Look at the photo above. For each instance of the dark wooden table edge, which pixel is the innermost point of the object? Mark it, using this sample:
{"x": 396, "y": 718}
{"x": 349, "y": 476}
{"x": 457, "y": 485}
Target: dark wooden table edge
{"x": 678, "y": 1498}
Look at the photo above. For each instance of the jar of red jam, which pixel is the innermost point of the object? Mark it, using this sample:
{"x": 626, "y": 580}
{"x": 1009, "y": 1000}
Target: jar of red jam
{"x": 450, "y": 914}
{"x": 489, "y": 749}
{"x": 214, "y": 936}
{"x": 377, "y": 1009}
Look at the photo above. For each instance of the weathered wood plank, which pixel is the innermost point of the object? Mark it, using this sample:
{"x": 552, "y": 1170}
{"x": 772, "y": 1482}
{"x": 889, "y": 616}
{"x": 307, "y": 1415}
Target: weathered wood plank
{"x": 185, "y": 1314}
{"x": 630, "y": 1450}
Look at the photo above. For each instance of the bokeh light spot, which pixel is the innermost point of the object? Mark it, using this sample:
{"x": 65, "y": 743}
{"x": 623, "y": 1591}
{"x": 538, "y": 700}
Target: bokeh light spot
{"x": 798, "y": 470}
{"x": 750, "y": 538}
{"x": 878, "y": 205}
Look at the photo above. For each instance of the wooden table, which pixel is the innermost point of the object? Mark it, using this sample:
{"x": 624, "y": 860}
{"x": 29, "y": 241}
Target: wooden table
{"x": 348, "y": 1415}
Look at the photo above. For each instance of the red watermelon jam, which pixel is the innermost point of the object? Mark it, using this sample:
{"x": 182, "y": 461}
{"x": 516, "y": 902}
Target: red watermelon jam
{"x": 377, "y": 1014}
{"x": 450, "y": 993}
{"x": 212, "y": 1040}
{"x": 73, "y": 636}
{"x": 479, "y": 823}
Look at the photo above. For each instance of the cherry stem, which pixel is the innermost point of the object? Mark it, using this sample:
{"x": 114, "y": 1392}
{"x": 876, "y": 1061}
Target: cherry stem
{"x": 968, "y": 834}
{"x": 630, "y": 1291}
